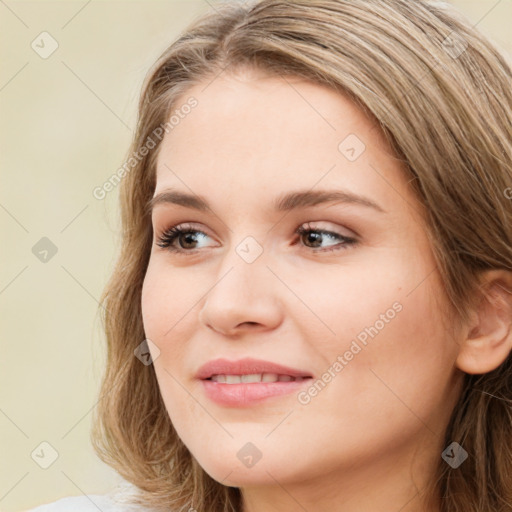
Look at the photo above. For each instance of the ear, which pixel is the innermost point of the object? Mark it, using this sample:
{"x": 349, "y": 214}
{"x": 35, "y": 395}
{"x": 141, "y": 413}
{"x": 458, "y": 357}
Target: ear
{"x": 487, "y": 341}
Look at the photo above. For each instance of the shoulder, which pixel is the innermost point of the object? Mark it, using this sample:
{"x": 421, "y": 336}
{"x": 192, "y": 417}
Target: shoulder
{"x": 115, "y": 501}
{"x": 89, "y": 503}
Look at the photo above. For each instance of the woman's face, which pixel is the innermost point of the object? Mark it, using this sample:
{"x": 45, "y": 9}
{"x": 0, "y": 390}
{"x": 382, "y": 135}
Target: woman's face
{"x": 354, "y": 302}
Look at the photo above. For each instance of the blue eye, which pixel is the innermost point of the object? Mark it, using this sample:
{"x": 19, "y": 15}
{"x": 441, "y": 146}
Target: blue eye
{"x": 187, "y": 235}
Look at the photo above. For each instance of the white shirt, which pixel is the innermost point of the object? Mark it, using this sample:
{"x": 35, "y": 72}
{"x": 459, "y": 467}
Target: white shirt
{"x": 90, "y": 503}
{"x": 114, "y": 501}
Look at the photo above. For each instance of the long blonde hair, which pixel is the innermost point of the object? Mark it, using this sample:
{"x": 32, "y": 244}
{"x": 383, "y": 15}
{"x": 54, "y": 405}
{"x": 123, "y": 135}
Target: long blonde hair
{"x": 442, "y": 94}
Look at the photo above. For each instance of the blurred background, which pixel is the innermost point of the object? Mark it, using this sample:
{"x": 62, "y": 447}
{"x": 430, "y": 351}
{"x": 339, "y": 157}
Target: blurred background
{"x": 70, "y": 77}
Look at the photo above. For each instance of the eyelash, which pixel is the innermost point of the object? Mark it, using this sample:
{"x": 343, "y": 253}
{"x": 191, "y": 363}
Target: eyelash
{"x": 168, "y": 237}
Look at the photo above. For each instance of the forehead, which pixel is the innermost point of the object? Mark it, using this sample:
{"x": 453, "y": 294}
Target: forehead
{"x": 260, "y": 132}
{"x": 248, "y": 108}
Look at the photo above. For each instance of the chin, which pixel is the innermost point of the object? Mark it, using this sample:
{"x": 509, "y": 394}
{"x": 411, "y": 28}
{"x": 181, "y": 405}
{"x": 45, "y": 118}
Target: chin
{"x": 238, "y": 476}
{"x": 246, "y": 465}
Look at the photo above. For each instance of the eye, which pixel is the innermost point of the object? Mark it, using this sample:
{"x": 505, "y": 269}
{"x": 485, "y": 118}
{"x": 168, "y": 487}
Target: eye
{"x": 185, "y": 235}
{"x": 182, "y": 239}
{"x": 317, "y": 236}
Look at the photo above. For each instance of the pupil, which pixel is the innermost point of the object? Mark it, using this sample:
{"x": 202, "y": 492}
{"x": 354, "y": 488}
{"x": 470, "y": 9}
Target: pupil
{"x": 188, "y": 238}
{"x": 314, "y": 237}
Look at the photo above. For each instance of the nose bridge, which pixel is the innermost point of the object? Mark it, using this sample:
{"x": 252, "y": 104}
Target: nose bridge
{"x": 244, "y": 291}
{"x": 244, "y": 268}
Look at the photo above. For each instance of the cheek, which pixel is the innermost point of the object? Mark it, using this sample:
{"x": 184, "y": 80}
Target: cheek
{"x": 163, "y": 304}
{"x": 344, "y": 302}
{"x": 167, "y": 297}
{"x": 399, "y": 378}
{"x": 388, "y": 331}
{"x": 169, "y": 306}
{"x": 397, "y": 358}
{"x": 153, "y": 301}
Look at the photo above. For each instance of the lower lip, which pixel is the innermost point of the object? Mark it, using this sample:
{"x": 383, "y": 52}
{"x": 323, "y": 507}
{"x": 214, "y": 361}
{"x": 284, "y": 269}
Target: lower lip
{"x": 245, "y": 394}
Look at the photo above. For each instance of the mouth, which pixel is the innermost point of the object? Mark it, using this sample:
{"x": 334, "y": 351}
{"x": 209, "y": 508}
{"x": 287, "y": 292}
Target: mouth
{"x": 248, "y": 382}
{"x": 250, "y": 370}
{"x": 252, "y": 378}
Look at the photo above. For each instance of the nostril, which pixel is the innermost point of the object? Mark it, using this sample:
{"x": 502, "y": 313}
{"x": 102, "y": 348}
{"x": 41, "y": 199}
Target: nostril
{"x": 249, "y": 323}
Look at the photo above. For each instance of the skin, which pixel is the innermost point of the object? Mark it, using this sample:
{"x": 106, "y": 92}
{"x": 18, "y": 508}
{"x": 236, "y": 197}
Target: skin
{"x": 371, "y": 438}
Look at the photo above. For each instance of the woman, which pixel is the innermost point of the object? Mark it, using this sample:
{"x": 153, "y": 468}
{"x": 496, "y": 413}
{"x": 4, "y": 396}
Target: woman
{"x": 338, "y": 334}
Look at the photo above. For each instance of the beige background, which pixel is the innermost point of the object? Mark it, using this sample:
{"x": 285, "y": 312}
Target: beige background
{"x": 65, "y": 124}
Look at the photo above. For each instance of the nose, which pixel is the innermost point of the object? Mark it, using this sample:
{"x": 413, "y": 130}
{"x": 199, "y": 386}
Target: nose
{"x": 244, "y": 297}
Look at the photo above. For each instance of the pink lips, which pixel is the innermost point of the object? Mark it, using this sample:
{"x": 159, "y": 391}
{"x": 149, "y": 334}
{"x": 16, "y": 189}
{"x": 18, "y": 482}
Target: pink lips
{"x": 245, "y": 367}
{"x": 244, "y": 394}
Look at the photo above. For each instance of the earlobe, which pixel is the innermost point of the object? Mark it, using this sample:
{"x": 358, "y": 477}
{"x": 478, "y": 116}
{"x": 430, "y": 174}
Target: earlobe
{"x": 487, "y": 342}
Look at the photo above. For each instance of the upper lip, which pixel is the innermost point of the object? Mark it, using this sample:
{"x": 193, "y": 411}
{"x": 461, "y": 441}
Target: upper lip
{"x": 246, "y": 366}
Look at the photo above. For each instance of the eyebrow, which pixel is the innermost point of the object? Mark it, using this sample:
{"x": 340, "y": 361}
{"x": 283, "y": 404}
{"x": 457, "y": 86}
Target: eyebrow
{"x": 284, "y": 203}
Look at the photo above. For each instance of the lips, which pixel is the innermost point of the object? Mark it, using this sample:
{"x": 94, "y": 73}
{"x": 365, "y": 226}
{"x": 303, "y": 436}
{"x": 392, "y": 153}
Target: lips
{"x": 247, "y": 366}
{"x": 249, "y": 382}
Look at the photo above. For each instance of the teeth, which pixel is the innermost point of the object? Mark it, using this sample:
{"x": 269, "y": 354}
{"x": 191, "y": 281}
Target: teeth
{"x": 253, "y": 377}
